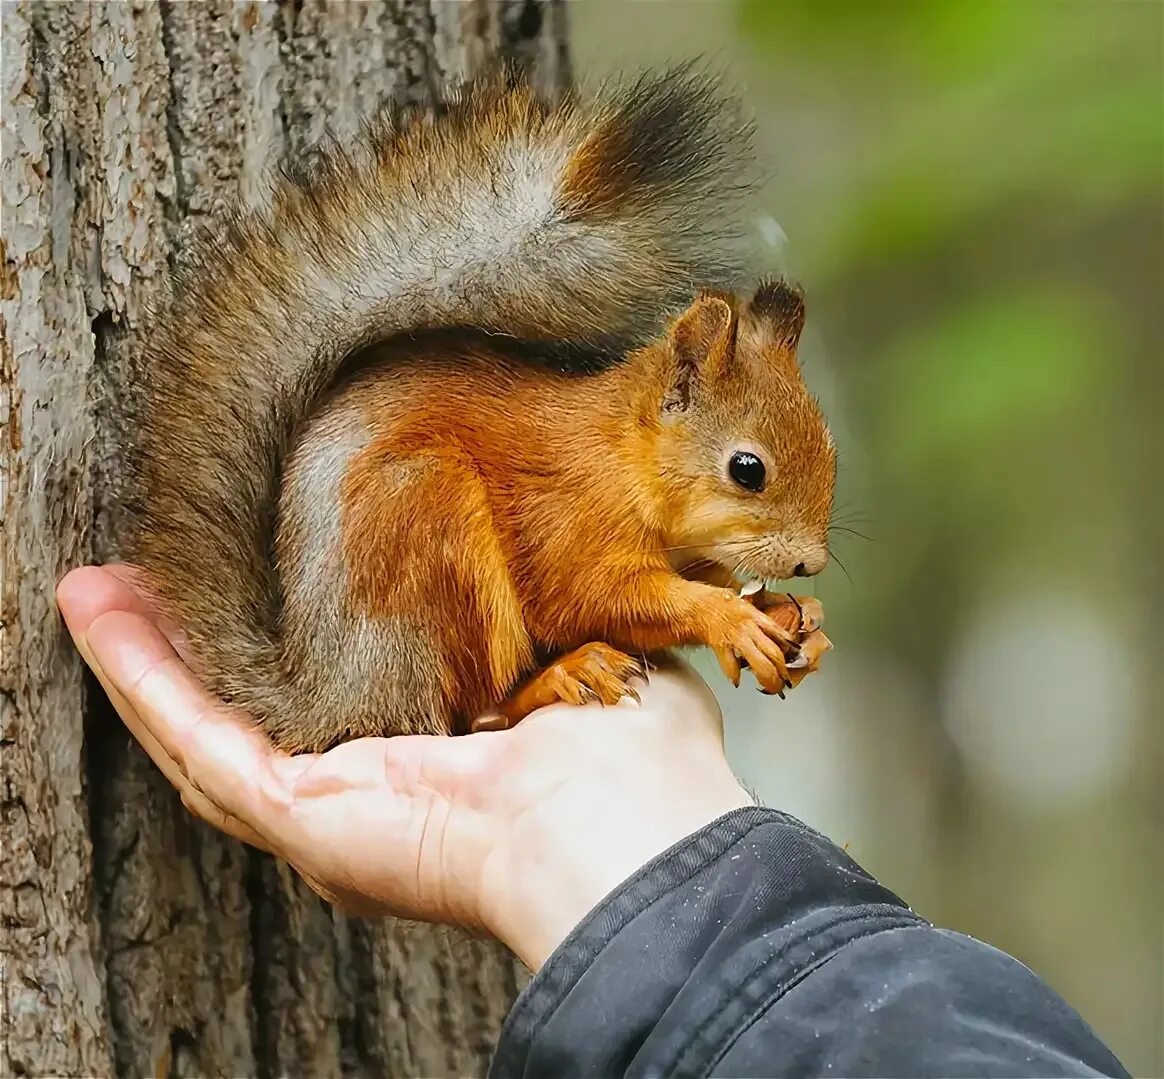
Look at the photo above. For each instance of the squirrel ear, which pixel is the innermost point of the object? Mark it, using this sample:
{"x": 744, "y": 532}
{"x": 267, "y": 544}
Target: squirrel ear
{"x": 703, "y": 341}
{"x": 779, "y": 307}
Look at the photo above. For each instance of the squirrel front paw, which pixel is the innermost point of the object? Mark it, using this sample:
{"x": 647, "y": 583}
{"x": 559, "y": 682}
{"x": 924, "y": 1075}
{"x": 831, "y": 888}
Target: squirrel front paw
{"x": 743, "y": 634}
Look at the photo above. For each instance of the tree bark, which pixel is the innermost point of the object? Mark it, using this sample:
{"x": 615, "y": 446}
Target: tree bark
{"x": 133, "y": 940}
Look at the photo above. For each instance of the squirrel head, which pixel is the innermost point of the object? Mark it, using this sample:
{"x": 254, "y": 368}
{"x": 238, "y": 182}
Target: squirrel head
{"x": 748, "y": 461}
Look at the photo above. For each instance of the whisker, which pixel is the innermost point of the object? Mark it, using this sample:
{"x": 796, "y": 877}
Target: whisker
{"x": 850, "y": 531}
{"x": 849, "y": 518}
{"x": 844, "y": 570}
{"x": 738, "y": 564}
{"x": 694, "y": 546}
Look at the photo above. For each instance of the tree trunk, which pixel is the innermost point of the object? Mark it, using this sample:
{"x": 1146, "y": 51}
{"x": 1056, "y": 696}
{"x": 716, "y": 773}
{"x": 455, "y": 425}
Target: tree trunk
{"x": 136, "y": 941}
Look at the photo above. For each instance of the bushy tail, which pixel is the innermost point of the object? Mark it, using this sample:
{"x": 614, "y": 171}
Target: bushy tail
{"x": 578, "y": 224}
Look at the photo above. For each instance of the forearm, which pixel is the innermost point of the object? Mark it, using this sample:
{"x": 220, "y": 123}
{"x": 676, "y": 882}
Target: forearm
{"x": 658, "y": 609}
{"x": 756, "y": 947}
{"x": 650, "y": 610}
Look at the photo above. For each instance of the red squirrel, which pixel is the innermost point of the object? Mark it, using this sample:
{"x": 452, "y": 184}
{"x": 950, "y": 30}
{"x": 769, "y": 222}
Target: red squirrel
{"x": 466, "y": 420}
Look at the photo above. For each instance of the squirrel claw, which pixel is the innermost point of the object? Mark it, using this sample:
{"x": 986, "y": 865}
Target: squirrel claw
{"x": 594, "y": 672}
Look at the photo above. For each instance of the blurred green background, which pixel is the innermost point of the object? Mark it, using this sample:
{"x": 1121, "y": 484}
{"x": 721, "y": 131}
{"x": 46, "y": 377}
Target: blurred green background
{"x": 972, "y": 194}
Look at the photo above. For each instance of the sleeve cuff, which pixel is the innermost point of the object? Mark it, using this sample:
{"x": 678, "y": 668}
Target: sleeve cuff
{"x": 753, "y": 889}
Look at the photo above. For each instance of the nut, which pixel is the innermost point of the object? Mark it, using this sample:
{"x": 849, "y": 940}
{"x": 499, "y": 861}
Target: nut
{"x": 801, "y": 616}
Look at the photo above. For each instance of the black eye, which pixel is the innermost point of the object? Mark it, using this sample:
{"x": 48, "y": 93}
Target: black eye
{"x": 747, "y": 470}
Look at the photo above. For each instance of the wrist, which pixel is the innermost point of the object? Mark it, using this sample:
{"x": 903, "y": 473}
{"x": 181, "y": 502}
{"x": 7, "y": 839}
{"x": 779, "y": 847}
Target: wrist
{"x": 551, "y": 896}
{"x": 554, "y": 880}
{"x": 603, "y": 819}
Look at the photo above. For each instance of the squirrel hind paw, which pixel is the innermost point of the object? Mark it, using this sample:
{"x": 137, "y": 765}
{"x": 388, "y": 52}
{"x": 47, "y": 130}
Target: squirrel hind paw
{"x": 595, "y": 672}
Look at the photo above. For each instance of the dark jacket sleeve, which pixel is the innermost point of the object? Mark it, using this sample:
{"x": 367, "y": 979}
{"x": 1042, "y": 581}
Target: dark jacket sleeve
{"x": 758, "y": 948}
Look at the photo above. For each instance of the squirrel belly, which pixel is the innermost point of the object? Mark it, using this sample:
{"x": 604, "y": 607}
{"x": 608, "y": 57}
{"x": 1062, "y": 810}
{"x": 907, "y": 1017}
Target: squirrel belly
{"x": 436, "y": 522}
{"x": 401, "y": 614}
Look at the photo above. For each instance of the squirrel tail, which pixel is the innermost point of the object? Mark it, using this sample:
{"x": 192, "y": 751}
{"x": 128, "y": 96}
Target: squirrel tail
{"x": 578, "y": 225}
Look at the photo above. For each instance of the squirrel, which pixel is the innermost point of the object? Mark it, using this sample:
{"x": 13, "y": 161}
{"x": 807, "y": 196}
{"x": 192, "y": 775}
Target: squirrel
{"x": 465, "y": 419}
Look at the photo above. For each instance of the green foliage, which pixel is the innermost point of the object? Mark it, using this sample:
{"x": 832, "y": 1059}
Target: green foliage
{"x": 926, "y": 37}
{"x": 985, "y": 378}
{"x": 988, "y": 181}
{"x": 957, "y": 160}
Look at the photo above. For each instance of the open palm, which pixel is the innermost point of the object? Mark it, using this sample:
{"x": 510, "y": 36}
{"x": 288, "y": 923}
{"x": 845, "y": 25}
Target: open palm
{"x": 517, "y": 832}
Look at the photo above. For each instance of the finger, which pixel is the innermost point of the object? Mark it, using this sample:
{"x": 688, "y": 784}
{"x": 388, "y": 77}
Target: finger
{"x": 773, "y": 628}
{"x": 205, "y": 810}
{"x": 85, "y": 593}
{"x": 134, "y": 578}
{"x": 403, "y": 765}
{"x": 221, "y": 756}
{"x": 82, "y": 596}
{"x": 90, "y": 591}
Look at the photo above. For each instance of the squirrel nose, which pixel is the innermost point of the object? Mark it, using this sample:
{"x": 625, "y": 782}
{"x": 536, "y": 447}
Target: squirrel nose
{"x": 815, "y": 560}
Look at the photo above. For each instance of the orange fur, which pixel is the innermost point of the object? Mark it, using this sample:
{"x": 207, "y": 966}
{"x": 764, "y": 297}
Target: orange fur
{"x": 594, "y": 672}
{"x": 574, "y": 509}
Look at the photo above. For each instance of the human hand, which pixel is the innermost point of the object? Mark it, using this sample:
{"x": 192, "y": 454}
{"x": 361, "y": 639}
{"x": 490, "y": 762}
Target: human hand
{"x": 517, "y": 832}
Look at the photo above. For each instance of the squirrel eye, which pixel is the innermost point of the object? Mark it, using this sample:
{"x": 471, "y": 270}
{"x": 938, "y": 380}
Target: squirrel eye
{"x": 747, "y": 470}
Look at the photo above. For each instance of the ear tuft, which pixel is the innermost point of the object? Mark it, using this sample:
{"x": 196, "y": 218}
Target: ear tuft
{"x": 703, "y": 341}
{"x": 781, "y": 306}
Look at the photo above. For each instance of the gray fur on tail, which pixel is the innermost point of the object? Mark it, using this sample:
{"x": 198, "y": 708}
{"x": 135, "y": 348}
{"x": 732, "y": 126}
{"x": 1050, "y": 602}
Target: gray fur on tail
{"x": 575, "y": 227}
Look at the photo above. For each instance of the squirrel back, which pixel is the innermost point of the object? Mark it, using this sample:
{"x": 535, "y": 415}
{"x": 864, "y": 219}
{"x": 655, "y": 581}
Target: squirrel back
{"x": 575, "y": 227}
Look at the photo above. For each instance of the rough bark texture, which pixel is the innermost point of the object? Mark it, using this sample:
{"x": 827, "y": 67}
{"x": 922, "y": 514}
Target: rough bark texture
{"x": 133, "y": 940}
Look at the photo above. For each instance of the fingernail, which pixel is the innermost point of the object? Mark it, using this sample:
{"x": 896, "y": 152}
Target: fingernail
{"x": 491, "y": 721}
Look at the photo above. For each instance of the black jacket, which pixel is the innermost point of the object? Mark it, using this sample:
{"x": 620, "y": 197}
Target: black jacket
{"x": 757, "y": 948}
